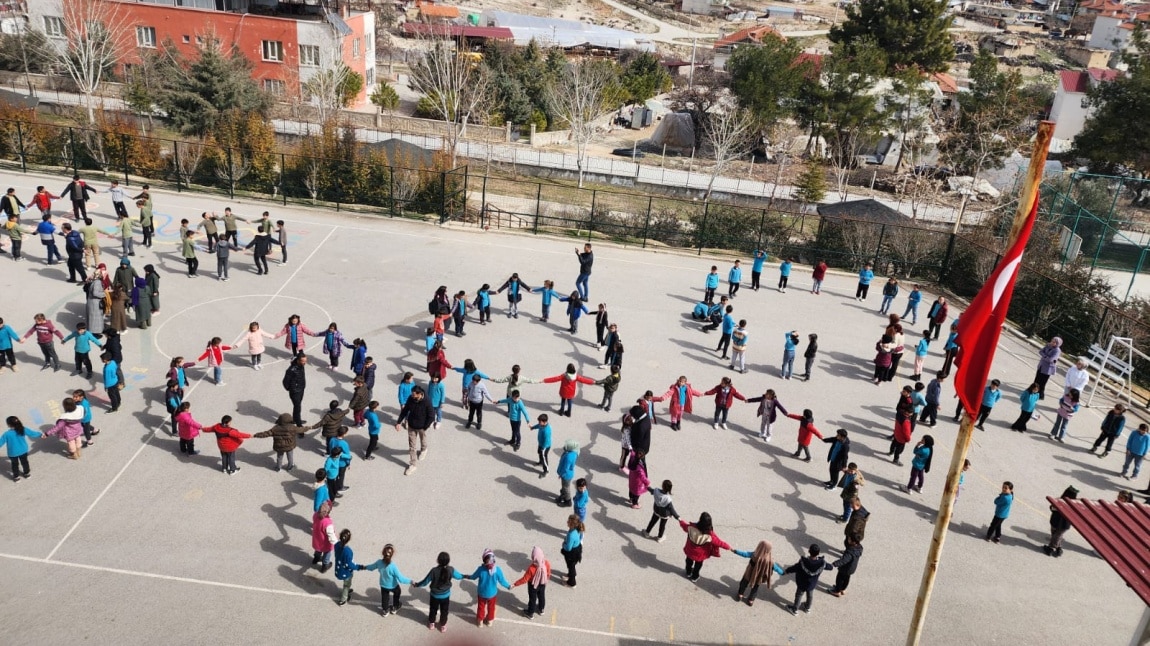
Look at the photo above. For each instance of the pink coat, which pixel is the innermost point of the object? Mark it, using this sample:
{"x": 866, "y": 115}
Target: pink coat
{"x": 67, "y": 429}
{"x": 188, "y": 427}
{"x": 673, "y": 395}
{"x": 637, "y": 481}
{"x": 255, "y": 341}
{"x": 301, "y": 331}
{"x": 319, "y": 540}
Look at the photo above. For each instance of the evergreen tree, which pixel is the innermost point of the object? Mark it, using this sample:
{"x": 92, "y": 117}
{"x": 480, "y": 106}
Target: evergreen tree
{"x": 912, "y": 33}
{"x": 766, "y": 79}
{"x": 643, "y": 77}
{"x": 811, "y": 184}
{"x": 1117, "y": 133}
{"x": 197, "y": 94}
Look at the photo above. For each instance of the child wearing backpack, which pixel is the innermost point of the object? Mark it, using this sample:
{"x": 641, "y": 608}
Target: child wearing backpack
{"x": 439, "y": 579}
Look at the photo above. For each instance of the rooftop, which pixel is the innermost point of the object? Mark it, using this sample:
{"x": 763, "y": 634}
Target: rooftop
{"x": 748, "y": 35}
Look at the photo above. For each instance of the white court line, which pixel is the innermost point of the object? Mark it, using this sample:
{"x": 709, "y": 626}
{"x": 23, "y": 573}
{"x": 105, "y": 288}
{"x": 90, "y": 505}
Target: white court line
{"x": 190, "y": 391}
{"x": 294, "y": 593}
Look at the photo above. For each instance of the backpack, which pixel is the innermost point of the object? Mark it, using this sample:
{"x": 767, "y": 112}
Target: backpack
{"x": 697, "y": 537}
{"x": 433, "y": 307}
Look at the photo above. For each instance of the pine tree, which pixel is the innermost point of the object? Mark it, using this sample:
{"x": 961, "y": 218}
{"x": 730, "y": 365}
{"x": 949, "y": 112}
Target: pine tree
{"x": 912, "y": 33}
{"x": 811, "y": 184}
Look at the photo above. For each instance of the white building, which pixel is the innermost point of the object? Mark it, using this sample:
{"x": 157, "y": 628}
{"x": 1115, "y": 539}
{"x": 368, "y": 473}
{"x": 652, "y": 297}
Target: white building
{"x": 1069, "y": 111}
{"x": 1112, "y": 32}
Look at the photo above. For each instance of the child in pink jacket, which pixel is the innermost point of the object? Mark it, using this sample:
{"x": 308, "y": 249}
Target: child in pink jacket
{"x": 680, "y": 394}
{"x": 69, "y": 427}
{"x": 725, "y": 395}
{"x": 637, "y": 481}
{"x": 567, "y": 384}
{"x": 255, "y": 340}
{"x": 188, "y": 427}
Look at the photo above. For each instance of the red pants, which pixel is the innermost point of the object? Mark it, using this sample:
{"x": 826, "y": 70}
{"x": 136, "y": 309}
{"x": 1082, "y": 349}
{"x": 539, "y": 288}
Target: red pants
{"x": 486, "y": 610}
{"x": 359, "y": 416}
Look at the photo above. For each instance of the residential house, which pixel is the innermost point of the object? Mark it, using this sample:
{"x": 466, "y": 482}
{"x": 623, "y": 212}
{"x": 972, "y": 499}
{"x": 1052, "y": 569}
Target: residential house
{"x": 1069, "y": 110}
{"x": 1114, "y": 32}
{"x": 704, "y": 7}
{"x": 286, "y": 42}
{"x": 725, "y": 45}
{"x": 437, "y": 13}
{"x": 1005, "y": 47}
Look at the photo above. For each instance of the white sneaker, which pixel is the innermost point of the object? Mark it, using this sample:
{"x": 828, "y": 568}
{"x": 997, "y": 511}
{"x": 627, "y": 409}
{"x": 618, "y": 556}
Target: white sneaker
{"x": 724, "y": 426}
{"x": 715, "y": 425}
{"x": 768, "y": 437}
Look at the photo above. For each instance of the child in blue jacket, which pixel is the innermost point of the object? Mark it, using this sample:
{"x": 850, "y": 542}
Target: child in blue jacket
{"x": 437, "y": 393}
{"x": 389, "y": 579}
{"x": 406, "y": 385}
{"x": 711, "y": 284}
{"x": 8, "y": 336}
{"x": 482, "y": 303}
{"x": 1002, "y": 505}
{"x": 575, "y": 309}
{"x": 1028, "y": 400}
{"x": 784, "y": 274}
{"x": 16, "y": 439}
{"x": 489, "y": 577}
{"x": 440, "y": 578}
{"x": 373, "y": 426}
{"x": 547, "y": 292}
{"x": 84, "y": 341}
{"x": 516, "y": 413}
{"x": 734, "y": 278}
{"x": 990, "y": 397}
{"x": 760, "y": 257}
{"x": 345, "y": 566}
{"x": 566, "y": 472}
{"x": 543, "y": 436}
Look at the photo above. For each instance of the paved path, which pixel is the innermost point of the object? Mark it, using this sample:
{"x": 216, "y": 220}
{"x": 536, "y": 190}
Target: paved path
{"x": 133, "y": 536}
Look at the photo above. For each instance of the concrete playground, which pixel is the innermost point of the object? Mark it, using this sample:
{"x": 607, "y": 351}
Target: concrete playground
{"x": 134, "y": 544}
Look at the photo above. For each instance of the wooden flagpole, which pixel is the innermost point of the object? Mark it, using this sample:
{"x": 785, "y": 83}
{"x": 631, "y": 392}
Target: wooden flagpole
{"x": 1026, "y": 199}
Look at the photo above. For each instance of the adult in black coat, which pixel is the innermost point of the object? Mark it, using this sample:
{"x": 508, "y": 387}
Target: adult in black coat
{"x": 838, "y": 456}
{"x": 78, "y": 190}
{"x": 640, "y": 430}
{"x": 295, "y": 383}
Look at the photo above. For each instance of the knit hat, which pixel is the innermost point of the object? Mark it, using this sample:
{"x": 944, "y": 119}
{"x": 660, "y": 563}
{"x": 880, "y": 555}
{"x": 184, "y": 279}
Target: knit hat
{"x": 125, "y": 261}
{"x": 571, "y": 445}
{"x": 489, "y": 559}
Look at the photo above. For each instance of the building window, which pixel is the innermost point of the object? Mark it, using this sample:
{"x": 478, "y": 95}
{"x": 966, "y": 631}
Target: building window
{"x": 309, "y": 55}
{"x": 146, "y": 36}
{"x": 54, "y": 26}
{"x": 187, "y": 39}
{"x": 273, "y": 50}
{"x": 275, "y": 86}
{"x": 370, "y": 76}
{"x": 355, "y": 48}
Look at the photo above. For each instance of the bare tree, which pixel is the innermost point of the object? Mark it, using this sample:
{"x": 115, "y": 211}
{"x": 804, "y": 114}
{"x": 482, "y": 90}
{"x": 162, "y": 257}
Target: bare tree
{"x": 579, "y": 97}
{"x": 188, "y": 159}
{"x": 325, "y": 87}
{"x": 99, "y": 33}
{"x": 453, "y": 84}
{"x": 728, "y": 134}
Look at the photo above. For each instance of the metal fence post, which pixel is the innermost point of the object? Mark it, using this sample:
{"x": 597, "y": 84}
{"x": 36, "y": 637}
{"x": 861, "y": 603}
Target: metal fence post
{"x": 762, "y": 223}
{"x": 647, "y": 222}
{"x": 179, "y": 171}
{"x": 442, "y": 197}
{"x": 20, "y": 140}
{"x": 878, "y": 247}
{"x": 391, "y": 188}
{"x": 283, "y": 169}
{"x": 946, "y": 259}
{"x": 72, "y": 146}
{"x": 483, "y": 198}
{"x": 124, "y": 148}
{"x": 591, "y": 219}
{"x": 538, "y": 206}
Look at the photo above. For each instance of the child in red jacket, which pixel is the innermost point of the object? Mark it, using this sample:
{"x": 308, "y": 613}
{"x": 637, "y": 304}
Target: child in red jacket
{"x": 807, "y": 430}
{"x": 725, "y": 395}
{"x": 228, "y": 440}
{"x": 214, "y": 353}
{"x": 567, "y": 383}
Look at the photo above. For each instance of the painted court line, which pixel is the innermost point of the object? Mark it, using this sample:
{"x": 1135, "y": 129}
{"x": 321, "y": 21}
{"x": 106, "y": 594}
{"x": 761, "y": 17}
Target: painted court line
{"x": 190, "y": 391}
{"x": 291, "y": 593}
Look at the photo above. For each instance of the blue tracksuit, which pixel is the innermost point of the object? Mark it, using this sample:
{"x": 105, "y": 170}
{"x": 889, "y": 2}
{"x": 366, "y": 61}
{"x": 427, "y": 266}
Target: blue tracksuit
{"x": 735, "y": 276}
{"x": 990, "y": 397}
{"x": 566, "y": 468}
{"x": 8, "y": 336}
{"x": 543, "y": 436}
{"x": 785, "y": 268}
{"x": 712, "y": 281}
{"x": 372, "y": 419}
{"x": 488, "y": 581}
{"x": 18, "y": 444}
{"x": 1029, "y": 401}
{"x": 83, "y": 341}
{"x": 1002, "y": 505}
{"x": 865, "y": 276}
{"x": 516, "y": 410}
{"x": 760, "y": 258}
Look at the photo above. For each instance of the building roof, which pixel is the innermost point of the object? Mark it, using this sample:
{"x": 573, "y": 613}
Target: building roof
{"x": 438, "y": 11}
{"x": 1119, "y": 532}
{"x": 946, "y": 82}
{"x": 869, "y": 210}
{"x": 748, "y": 35}
{"x": 457, "y": 31}
{"x": 1079, "y": 81}
{"x": 1098, "y": 6}
{"x": 565, "y": 33}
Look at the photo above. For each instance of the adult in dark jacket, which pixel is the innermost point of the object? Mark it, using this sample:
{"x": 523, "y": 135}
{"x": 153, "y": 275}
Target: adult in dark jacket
{"x": 937, "y": 315}
{"x": 262, "y": 246}
{"x": 640, "y": 430}
{"x": 419, "y": 416}
{"x": 125, "y": 276}
{"x": 74, "y": 248}
{"x": 1047, "y": 364}
{"x": 586, "y": 259}
{"x": 284, "y": 435}
{"x": 807, "y": 572}
{"x": 78, "y": 190}
{"x": 10, "y": 205}
{"x": 846, "y": 566}
{"x": 838, "y": 456}
{"x": 295, "y": 382}
{"x": 1059, "y": 525}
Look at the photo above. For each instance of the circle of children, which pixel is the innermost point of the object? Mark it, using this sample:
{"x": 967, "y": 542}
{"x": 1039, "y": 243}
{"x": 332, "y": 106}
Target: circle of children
{"x": 421, "y": 408}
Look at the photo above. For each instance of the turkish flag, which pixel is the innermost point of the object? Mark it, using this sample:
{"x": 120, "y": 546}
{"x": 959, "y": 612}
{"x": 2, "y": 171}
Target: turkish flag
{"x": 981, "y": 323}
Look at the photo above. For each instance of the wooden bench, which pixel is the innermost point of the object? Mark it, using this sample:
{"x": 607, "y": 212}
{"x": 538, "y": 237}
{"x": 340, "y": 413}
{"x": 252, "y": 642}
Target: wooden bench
{"x": 1114, "y": 369}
